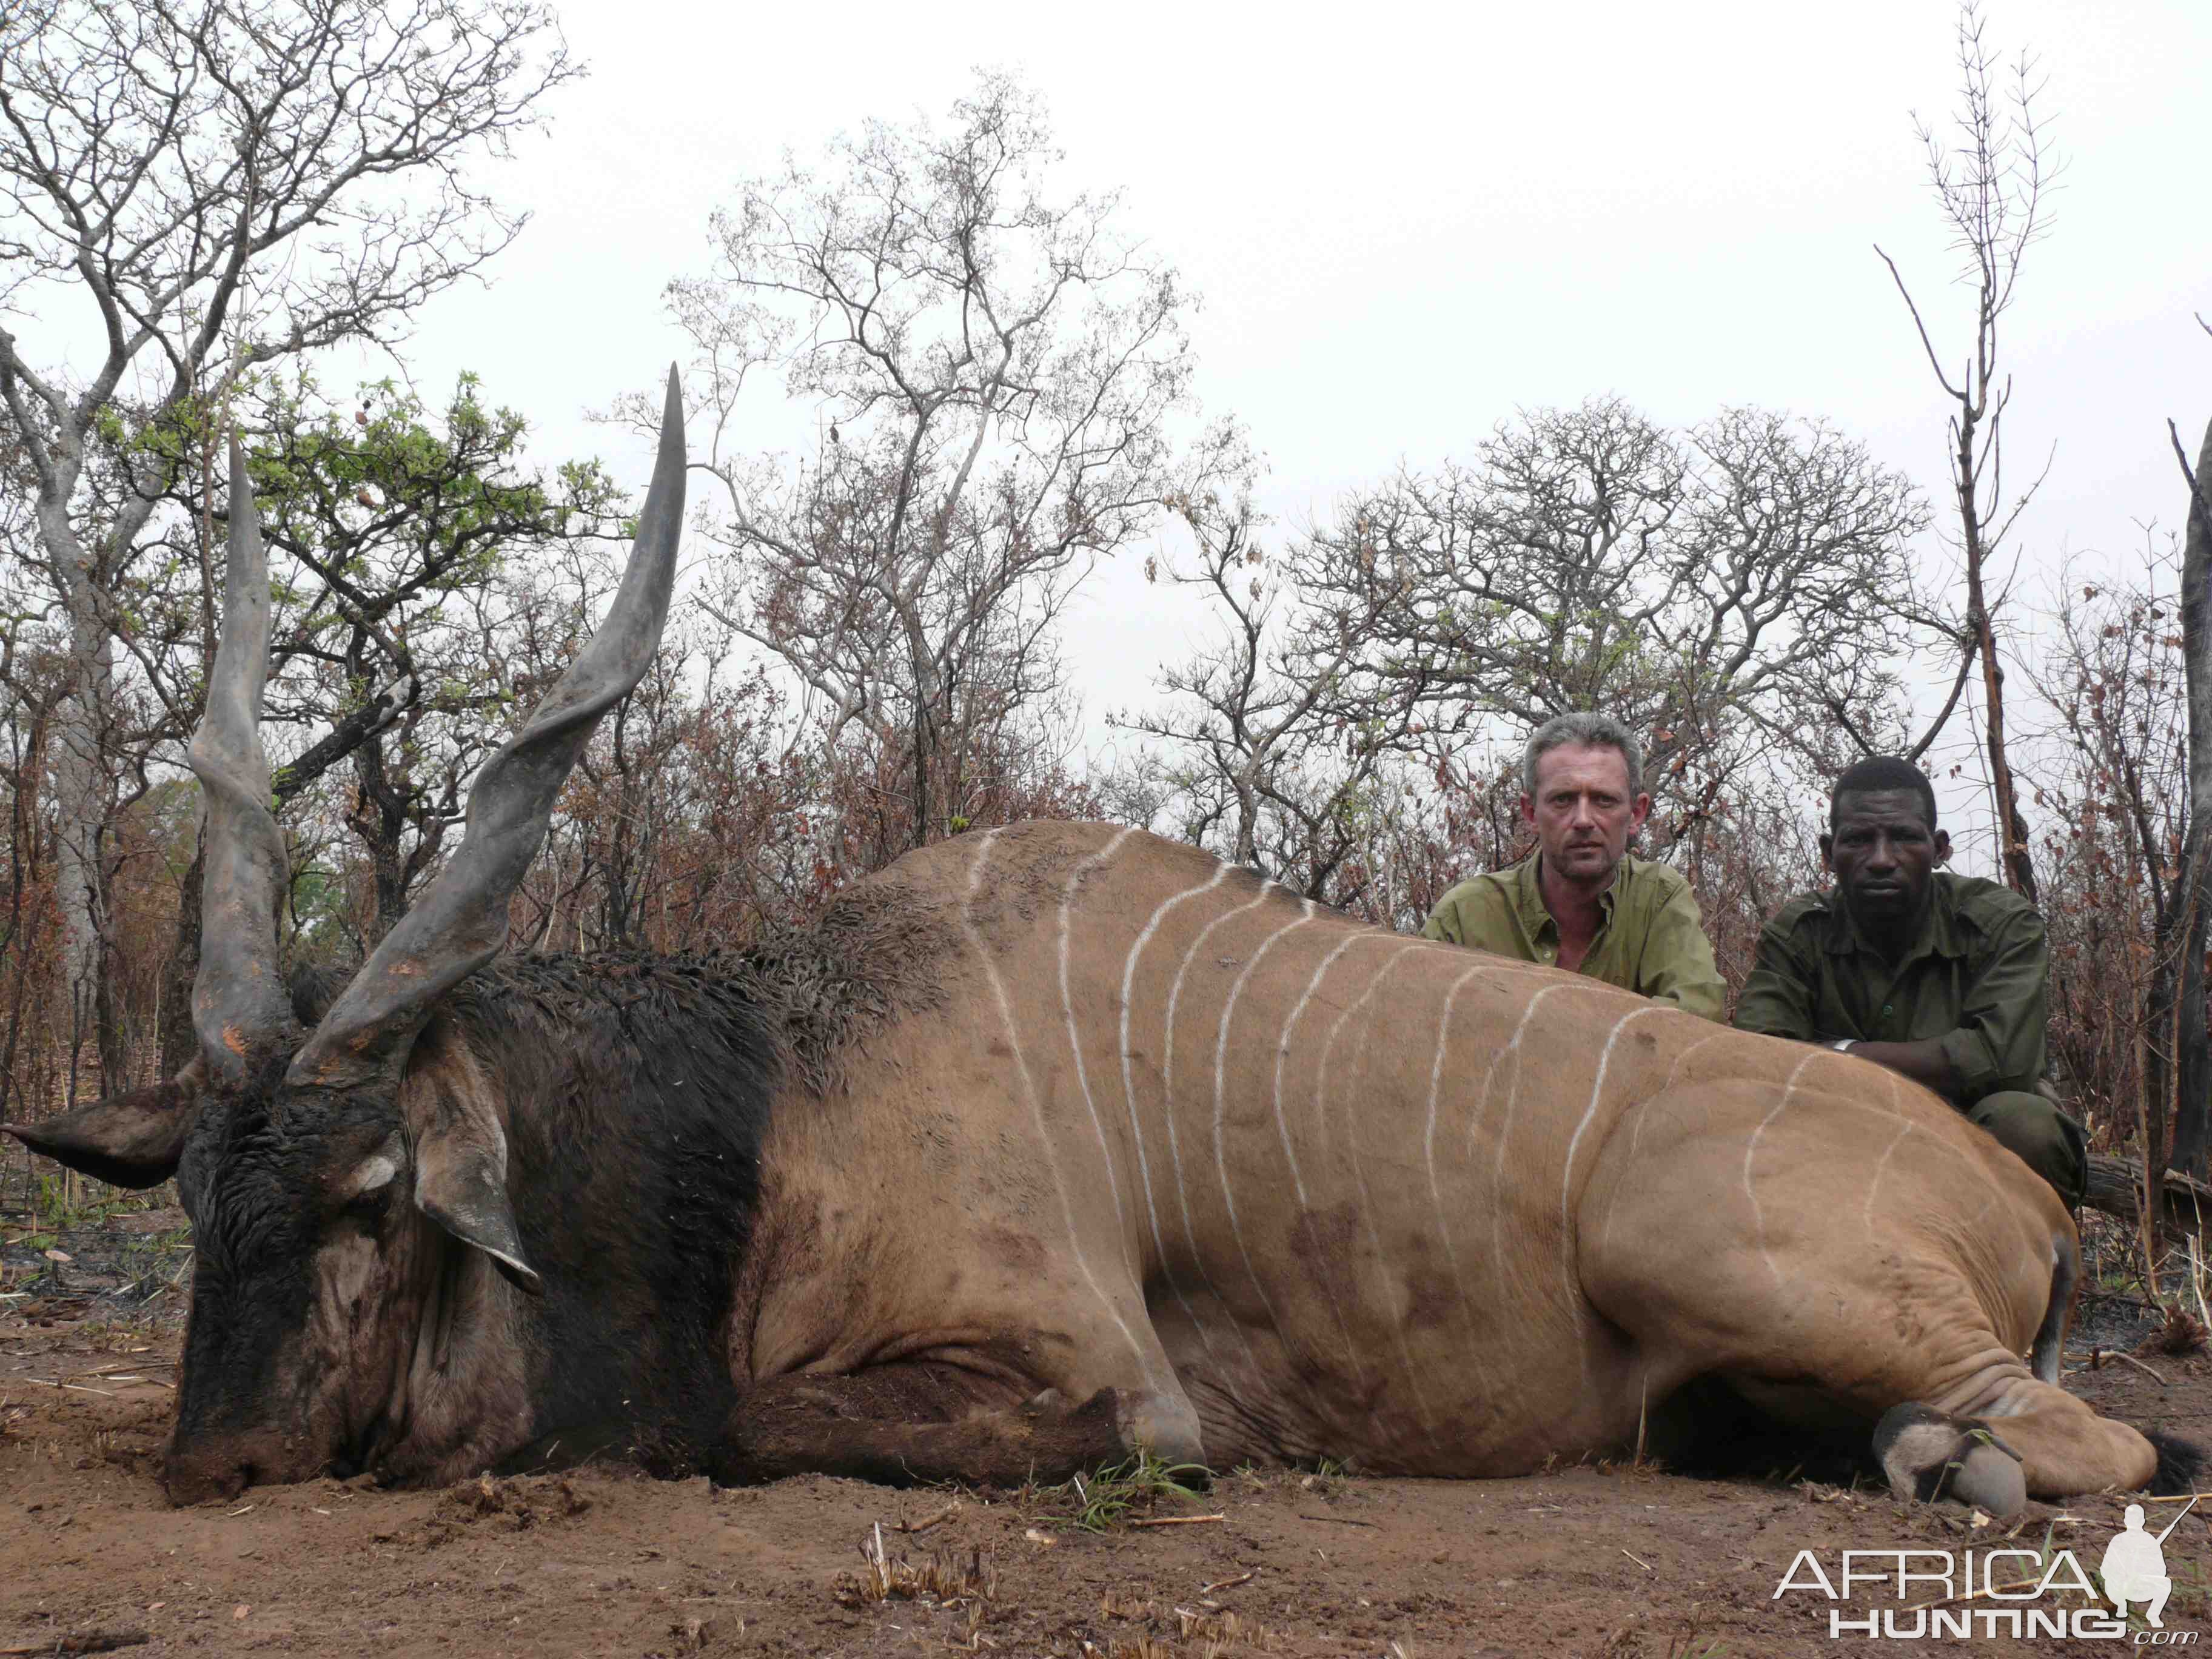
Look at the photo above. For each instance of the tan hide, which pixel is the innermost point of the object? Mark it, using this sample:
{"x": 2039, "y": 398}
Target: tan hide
{"x": 1315, "y": 1188}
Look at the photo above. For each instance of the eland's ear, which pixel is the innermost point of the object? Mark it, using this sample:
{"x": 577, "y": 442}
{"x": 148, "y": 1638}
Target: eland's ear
{"x": 460, "y": 1183}
{"x": 130, "y": 1139}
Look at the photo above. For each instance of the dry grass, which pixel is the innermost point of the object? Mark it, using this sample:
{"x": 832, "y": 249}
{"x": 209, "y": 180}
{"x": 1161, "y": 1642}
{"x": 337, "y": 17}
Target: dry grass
{"x": 946, "y": 1579}
{"x": 1221, "y": 1632}
{"x": 1203, "y": 1633}
{"x": 2182, "y": 1333}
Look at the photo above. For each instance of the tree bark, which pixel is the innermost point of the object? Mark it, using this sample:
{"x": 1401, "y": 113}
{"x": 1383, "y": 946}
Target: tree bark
{"x": 2115, "y": 1189}
{"x": 2014, "y": 858}
{"x": 82, "y": 803}
{"x": 180, "y": 1042}
{"x": 2192, "y": 1051}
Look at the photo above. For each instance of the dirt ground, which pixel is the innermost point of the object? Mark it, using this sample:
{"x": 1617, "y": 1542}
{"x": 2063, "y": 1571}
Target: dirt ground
{"x": 1602, "y": 1561}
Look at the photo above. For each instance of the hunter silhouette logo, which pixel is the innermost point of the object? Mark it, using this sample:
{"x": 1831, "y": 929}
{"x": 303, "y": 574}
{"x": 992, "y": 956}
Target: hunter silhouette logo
{"x": 2134, "y": 1567}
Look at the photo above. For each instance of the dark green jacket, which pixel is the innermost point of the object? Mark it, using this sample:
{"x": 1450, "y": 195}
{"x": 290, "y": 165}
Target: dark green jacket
{"x": 1975, "y": 976}
{"x": 1651, "y": 940}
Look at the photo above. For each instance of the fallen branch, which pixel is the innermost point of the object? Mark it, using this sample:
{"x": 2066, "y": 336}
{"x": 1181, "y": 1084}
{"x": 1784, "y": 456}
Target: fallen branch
{"x": 2115, "y": 1189}
{"x": 2116, "y": 1354}
{"x": 937, "y": 1520}
{"x": 1177, "y": 1520}
{"x": 1638, "y": 1559}
{"x": 1339, "y": 1521}
{"x": 93, "y": 1641}
{"x": 1223, "y": 1583}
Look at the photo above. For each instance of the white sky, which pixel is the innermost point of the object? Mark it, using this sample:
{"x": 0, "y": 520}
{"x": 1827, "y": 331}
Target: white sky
{"x": 1407, "y": 221}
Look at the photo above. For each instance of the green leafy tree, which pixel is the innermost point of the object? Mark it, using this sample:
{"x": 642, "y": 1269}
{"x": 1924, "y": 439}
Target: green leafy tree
{"x": 190, "y": 189}
{"x": 415, "y": 542}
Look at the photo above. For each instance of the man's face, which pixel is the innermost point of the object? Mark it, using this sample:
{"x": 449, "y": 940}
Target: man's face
{"x": 1582, "y": 812}
{"x": 1883, "y": 851}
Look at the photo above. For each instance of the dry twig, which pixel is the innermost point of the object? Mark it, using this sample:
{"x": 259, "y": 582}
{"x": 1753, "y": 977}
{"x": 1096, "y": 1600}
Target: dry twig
{"x": 2116, "y": 1354}
{"x": 92, "y": 1641}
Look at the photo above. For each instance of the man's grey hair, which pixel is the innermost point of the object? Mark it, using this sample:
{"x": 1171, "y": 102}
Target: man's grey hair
{"x": 1595, "y": 731}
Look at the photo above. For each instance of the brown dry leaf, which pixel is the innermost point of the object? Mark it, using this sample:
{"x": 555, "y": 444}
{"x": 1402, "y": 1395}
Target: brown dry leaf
{"x": 241, "y": 1611}
{"x": 58, "y": 1256}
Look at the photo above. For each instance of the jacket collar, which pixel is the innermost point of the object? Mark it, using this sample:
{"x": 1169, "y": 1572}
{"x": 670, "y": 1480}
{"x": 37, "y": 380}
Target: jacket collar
{"x": 1528, "y": 893}
{"x": 1936, "y": 935}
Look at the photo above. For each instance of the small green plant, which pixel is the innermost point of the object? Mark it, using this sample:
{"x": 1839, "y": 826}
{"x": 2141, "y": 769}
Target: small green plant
{"x": 1121, "y": 1492}
{"x": 150, "y": 1261}
{"x": 57, "y": 1205}
{"x": 62, "y": 1206}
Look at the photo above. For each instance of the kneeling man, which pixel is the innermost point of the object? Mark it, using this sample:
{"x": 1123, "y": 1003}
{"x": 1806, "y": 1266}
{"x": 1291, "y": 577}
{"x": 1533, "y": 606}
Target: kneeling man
{"x": 2134, "y": 1570}
{"x": 1581, "y": 901}
{"x": 1939, "y": 978}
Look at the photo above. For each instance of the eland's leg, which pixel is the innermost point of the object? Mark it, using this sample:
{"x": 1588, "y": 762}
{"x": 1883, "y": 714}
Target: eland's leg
{"x": 1831, "y": 1261}
{"x": 915, "y": 1423}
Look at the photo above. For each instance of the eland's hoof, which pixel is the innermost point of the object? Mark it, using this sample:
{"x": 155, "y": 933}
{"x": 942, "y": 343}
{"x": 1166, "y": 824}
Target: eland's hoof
{"x": 1929, "y": 1455}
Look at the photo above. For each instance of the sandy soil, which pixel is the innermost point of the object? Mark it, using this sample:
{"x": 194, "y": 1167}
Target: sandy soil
{"x": 1616, "y": 1562}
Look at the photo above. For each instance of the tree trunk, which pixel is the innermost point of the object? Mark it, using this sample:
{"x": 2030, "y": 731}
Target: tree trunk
{"x": 379, "y": 818}
{"x": 81, "y": 800}
{"x": 2192, "y": 1051}
{"x": 2014, "y": 855}
{"x": 179, "y": 1043}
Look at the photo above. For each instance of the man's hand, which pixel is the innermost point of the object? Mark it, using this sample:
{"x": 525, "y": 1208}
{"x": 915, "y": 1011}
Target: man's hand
{"x": 1924, "y": 1062}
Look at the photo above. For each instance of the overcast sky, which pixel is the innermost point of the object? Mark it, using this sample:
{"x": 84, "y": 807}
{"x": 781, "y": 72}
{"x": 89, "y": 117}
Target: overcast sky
{"x": 1408, "y": 222}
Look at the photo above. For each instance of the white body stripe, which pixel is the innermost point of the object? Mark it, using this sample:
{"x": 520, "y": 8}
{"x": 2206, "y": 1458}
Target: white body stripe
{"x": 1037, "y": 1106}
{"x": 1290, "y": 1152}
{"x": 1129, "y": 1087}
{"x": 1574, "y": 1145}
{"x": 1220, "y": 1100}
{"x": 1429, "y": 1157}
{"x": 1167, "y": 1100}
{"x": 1751, "y": 1151}
{"x": 1096, "y": 861}
{"x": 1366, "y": 1201}
{"x": 1504, "y": 1134}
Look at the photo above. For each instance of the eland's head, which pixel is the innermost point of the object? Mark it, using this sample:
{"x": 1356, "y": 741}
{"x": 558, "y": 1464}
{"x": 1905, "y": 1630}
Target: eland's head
{"x": 346, "y": 1174}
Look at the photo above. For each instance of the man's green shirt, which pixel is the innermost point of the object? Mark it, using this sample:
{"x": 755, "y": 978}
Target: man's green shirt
{"x": 1649, "y": 940}
{"x": 1974, "y": 975}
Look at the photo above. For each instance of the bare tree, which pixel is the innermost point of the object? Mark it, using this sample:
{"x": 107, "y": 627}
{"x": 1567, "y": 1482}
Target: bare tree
{"x": 217, "y": 183}
{"x": 2183, "y": 975}
{"x": 1733, "y": 591}
{"x": 1991, "y": 172}
{"x": 993, "y": 367}
{"x": 1264, "y": 764}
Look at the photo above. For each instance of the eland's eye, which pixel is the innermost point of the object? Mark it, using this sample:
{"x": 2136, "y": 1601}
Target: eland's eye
{"x": 369, "y": 1201}
{"x": 370, "y": 1185}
